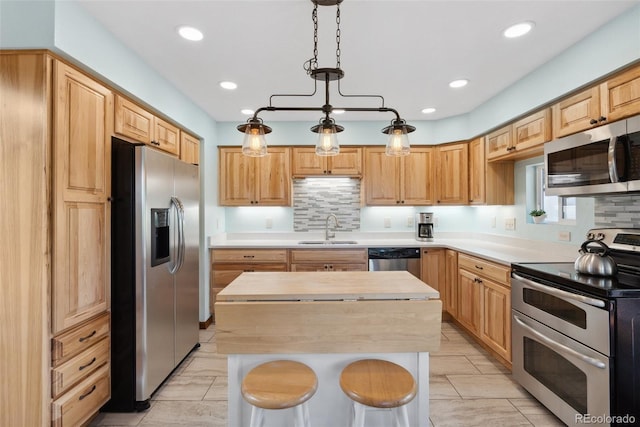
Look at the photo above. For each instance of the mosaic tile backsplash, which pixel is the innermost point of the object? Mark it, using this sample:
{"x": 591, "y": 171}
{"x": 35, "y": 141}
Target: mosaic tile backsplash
{"x": 618, "y": 211}
{"x": 315, "y": 198}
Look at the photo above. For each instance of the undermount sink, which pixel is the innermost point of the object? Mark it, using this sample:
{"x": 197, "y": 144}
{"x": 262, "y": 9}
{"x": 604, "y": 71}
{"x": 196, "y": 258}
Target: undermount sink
{"x": 327, "y": 242}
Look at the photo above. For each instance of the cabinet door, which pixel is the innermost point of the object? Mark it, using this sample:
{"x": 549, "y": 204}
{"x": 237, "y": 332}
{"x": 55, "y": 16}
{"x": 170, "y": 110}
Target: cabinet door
{"x": 451, "y": 282}
{"x": 83, "y": 112}
{"x": 452, "y": 174}
{"x": 133, "y": 121}
{"x": 469, "y": 301}
{"x": 496, "y": 317}
{"x": 576, "y": 113}
{"x": 347, "y": 163}
{"x": 381, "y": 177}
{"x": 166, "y": 136}
{"x": 417, "y": 177}
{"x": 432, "y": 270}
{"x": 236, "y": 179}
{"x": 499, "y": 143}
{"x": 532, "y": 132}
{"x": 477, "y": 169}
{"x": 189, "y": 148}
{"x": 273, "y": 183}
{"x": 305, "y": 162}
{"x": 621, "y": 95}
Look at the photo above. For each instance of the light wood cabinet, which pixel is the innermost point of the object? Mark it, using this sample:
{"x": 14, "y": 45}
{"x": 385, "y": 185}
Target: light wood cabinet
{"x": 484, "y": 303}
{"x": 56, "y": 164}
{"x": 433, "y": 271}
{"x": 392, "y": 181}
{"x": 305, "y": 163}
{"x": 228, "y": 264}
{"x": 452, "y": 174}
{"x": 521, "y": 139}
{"x": 620, "y": 95}
{"x": 254, "y": 181}
{"x": 328, "y": 260}
{"x": 489, "y": 183}
{"x": 451, "y": 282}
{"x": 189, "y": 148}
{"x": 135, "y": 122}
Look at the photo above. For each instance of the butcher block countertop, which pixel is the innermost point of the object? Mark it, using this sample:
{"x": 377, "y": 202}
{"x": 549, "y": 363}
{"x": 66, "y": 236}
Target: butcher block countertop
{"x": 320, "y": 286}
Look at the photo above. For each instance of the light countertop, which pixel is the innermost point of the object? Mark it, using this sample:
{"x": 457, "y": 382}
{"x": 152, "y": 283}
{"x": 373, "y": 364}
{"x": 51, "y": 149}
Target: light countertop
{"x": 500, "y": 249}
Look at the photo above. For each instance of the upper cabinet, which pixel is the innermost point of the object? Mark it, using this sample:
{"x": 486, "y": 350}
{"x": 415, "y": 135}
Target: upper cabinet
{"x": 452, "y": 174}
{"x": 392, "y": 181}
{"x": 305, "y": 163}
{"x": 189, "y": 148}
{"x": 135, "y": 122}
{"x": 489, "y": 183}
{"x": 477, "y": 166}
{"x": 614, "y": 99}
{"x": 523, "y": 138}
{"x": 254, "y": 181}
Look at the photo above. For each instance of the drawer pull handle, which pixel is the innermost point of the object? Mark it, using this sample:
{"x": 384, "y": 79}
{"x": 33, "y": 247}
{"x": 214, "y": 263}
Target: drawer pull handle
{"x": 83, "y": 339}
{"x": 249, "y": 256}
{"x": 87, "y": 365}
{"x": 479, "y": 267}
{"x": 88, "y": 393}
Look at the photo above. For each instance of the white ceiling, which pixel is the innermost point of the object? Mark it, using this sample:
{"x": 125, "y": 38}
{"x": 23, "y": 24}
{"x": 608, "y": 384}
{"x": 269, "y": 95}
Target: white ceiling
{"x": 406, "y": 51}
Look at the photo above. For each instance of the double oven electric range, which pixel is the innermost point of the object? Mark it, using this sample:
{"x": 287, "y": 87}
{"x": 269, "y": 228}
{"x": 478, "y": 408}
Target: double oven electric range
{"x": 576, "y": 337}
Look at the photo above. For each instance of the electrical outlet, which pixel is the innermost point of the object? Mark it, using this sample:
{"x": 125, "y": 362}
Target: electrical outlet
{"x": 387, "y": 223}
{"x": 564, "y": 236}
{"x": 268, "y": 223}
{"x": 493, "y": 222}
{"x": 435, "y": 221}
{"x": 510, "y": 224}
{"x": 409, "y": 221}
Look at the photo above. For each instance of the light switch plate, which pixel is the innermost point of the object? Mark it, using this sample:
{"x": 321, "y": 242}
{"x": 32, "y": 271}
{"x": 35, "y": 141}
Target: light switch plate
{"x": 387, "y": 223}
{"x": 409, "y": 221}
{"x": 510, "y": 224}
{"x": 564, "y": 236}
{"x": 268, "y": 223}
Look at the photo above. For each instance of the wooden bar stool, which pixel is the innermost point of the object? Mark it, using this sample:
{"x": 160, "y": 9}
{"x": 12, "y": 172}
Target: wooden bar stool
{"x": 280, "y": 384}
{"x": 378, "y": 384}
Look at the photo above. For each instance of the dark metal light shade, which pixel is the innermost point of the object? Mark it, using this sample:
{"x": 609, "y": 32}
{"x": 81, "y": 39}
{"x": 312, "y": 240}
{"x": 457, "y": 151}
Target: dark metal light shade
{"x": 398, "y": 142}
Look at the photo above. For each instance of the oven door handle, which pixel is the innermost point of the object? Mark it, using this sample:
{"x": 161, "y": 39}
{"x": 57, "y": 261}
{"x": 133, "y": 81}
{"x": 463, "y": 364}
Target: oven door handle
{"x": 560, "y": 348}
{"x": 560, "y": 293}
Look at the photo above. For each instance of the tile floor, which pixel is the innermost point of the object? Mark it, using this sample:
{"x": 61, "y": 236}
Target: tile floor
{"x": 468, "y": 388}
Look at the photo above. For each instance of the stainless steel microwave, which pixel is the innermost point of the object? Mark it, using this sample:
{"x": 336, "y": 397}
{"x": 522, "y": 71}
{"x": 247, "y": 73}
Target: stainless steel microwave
{"x": 602, "y": 160}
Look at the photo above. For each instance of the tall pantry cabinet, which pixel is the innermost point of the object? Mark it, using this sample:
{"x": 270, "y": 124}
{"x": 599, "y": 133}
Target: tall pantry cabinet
{"x": 55, "y": 166}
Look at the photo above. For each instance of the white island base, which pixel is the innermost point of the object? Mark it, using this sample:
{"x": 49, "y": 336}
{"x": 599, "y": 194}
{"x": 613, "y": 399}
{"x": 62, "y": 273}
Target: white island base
{"x": 329, "y": 407}
{"x": 327, "y": 320}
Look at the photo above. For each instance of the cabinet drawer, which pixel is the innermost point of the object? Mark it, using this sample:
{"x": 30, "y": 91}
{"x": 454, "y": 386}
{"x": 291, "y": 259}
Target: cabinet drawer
{"x": 331, "y": 256}
{"x": 72, "y": 371}
{"x": 485, "y": 268}
{"x": 68, "y": 344}
{"x": 75, "y": 407}
{"x": 328, "y": 267}
{"x": 223, "y": 274}
{"x": 249, "y": 255}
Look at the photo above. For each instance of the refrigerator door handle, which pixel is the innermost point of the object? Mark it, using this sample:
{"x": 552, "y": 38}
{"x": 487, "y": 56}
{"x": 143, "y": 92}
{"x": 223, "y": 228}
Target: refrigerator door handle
{"x": 180, "y": 228}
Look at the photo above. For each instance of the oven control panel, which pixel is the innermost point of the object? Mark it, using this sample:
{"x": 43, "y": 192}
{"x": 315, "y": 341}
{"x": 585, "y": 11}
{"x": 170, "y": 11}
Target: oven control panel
{"x": 621, "y": 239}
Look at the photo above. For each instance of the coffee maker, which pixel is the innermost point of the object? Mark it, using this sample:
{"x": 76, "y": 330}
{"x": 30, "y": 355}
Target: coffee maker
{"x": 424, "y": 226}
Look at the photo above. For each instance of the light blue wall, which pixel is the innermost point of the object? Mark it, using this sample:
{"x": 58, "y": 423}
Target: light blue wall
{"x": 611, "y": 47}
{"x": 65, "y": 28}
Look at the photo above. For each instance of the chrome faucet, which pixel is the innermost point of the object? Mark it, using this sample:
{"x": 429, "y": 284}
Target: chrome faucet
{"x": 327, "y": 233}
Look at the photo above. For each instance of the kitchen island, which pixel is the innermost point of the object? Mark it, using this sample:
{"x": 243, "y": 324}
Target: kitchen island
{"x": 328, "y": 320}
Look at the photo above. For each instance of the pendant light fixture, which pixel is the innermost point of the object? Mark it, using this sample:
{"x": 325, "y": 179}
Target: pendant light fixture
{"x": 327, "y": 144}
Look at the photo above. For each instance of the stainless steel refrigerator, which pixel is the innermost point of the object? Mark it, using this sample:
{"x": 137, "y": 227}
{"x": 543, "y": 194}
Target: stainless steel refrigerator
{"x": 154, "y": 271}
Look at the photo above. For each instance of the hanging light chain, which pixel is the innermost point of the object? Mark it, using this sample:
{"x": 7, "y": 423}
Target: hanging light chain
{"x": 312, "y": 64}
{"x": 338, "y": 35}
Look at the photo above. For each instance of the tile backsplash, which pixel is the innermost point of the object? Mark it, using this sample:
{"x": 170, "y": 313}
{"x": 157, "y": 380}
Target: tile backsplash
{"x": 618, "y": 211}
{"x": 315, "y": 198}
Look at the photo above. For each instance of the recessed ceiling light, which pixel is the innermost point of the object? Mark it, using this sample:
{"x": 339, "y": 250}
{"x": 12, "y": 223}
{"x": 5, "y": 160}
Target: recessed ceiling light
{"x": 518, "y": 30}
{"x": 428, "y": 110}
{"x": 247, "y": 111}
{"x": 458, "y": 83}
{"x": 190, "y": 33}
{"x": 338, "y": 111}
{"x": 228, "y": 85}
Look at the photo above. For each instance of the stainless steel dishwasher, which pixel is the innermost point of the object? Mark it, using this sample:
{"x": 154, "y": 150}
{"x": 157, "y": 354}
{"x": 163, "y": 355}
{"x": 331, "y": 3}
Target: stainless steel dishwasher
{"x": 395, "y": 259}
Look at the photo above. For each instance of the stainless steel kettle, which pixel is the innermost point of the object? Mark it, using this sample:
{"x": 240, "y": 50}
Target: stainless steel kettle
{"x": 595, "y": 261}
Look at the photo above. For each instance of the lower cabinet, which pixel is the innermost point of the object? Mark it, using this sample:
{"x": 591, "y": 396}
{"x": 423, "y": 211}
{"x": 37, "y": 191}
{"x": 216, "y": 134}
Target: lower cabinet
{"x": 328, "y": 260}
{"x": 484, "y": 302}
{"x": 451, "y": 282}
{"x": 432, "y": 271}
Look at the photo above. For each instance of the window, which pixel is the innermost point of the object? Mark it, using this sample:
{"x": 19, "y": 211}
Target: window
{"x": 559, "y": 209}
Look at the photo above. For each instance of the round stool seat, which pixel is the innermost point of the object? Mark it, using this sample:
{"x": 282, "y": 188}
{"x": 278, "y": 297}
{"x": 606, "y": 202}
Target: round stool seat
{"x": 279, "y": 384}
{"x": 378, "y": 383}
